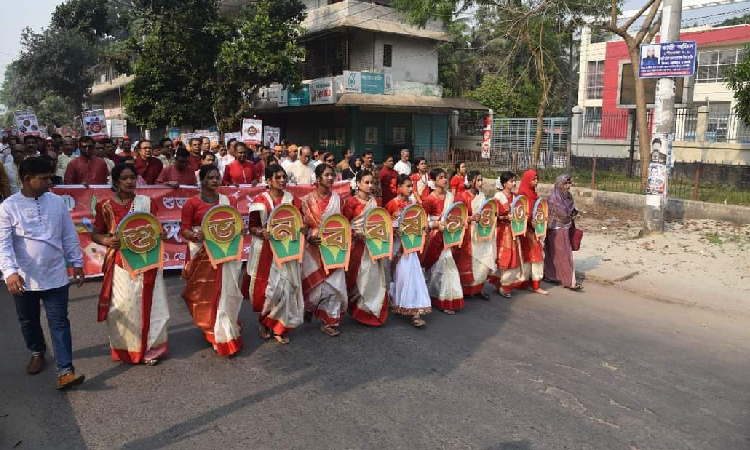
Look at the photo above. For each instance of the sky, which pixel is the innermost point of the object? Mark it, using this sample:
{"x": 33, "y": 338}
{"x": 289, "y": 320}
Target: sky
{"x": 16, "y": 15}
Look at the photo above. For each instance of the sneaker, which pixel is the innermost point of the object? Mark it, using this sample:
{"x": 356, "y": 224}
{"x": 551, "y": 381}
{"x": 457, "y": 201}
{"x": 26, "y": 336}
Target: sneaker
{"x": 68, "y": 380}
{"x": 35, "y": 365}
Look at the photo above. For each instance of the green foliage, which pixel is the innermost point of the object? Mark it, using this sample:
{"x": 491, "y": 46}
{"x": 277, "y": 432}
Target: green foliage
{"x": 88, "y": 18}
{"x": 506, "y": 99}
{"x": 50, "y": 76}
{"x": 174, "y": 67}
{"x": 738, "y": 80}
{"x": 261, "y": 50}
{"x": 741, "y": 20}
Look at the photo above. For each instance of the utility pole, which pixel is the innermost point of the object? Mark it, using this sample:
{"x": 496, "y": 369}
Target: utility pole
{"x": 664, "y": 121}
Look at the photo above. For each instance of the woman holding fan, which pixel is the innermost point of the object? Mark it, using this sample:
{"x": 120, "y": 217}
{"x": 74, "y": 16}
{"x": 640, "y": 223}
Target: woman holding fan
{"x": 275, "y": 291}
{"x": 212, "y": 294}
{"x": 325, "y": 293}
{"x": 135, "y": 308}
{"x": 443, "y": 281}
{"x": 365, "y": 278}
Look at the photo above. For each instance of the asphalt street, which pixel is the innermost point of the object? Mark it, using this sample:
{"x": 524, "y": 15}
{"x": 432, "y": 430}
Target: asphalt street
{"x": 603, "y": 369}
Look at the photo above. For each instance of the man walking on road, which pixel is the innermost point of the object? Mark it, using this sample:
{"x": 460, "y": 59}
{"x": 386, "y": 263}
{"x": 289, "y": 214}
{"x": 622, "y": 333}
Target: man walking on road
{"x": 36, "y": 236}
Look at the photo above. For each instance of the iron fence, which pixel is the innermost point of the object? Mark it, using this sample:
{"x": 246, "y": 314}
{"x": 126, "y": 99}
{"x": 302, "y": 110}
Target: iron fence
{"x": 513, "y": 139}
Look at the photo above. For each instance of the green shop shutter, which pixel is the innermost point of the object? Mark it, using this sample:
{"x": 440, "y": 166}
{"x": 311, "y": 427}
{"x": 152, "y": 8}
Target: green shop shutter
{"x": 422, "y": 133}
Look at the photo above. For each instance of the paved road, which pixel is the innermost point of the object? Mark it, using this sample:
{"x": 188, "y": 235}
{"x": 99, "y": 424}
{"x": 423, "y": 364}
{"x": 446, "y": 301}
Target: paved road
{"x": 599, "y": 370}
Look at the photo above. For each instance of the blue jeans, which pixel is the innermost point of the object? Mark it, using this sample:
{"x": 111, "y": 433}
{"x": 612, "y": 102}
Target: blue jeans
{"x": 56, "y": 307}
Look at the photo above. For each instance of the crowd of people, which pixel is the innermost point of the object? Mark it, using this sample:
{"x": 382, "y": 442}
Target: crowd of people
{"x": 38, "y": 239}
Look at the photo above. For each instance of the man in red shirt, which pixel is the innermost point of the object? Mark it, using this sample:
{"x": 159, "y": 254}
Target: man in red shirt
{"x": 86, "y": 169}
{"x": 147, "y": 166}
{"x": 178, "y": 173}
{"x": 195, "y": 153}
{"x": 388, "y": 178}
{"x": 241, "y": 171}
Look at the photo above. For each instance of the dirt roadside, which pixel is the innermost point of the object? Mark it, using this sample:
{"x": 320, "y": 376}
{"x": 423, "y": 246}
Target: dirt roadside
{"x": 700, "y": 263}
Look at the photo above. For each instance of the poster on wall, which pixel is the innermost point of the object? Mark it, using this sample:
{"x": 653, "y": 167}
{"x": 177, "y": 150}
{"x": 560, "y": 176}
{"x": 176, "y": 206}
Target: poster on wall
{"x": 371, "y": 135}
{"x": 323, "y": 91}
{"x": 659, "y": 148}
{"x": 667, "y": 60}
{"x": 657, "y": 179}
{"x": 399, "y": 135}
{"x": 271, "y": 136}
{"x": 26, "y": 122}
{"x": 94, "y": 124}
{"x": 487, "y": 136}
{"x": 252, "y": 131}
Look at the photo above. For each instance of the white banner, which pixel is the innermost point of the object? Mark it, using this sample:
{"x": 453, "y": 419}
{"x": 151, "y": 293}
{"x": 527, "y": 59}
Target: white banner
{"x": 27, "y": 123}
{"x": 94, "y": 124}
{"x": 271, "y": 136}
{"x": 252, "y": 131}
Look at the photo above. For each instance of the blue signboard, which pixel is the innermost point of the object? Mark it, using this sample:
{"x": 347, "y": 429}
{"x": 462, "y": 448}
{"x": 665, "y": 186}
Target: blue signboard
{"x": 300, "y": 98}
{"x": 373, "y": 83}
{"x": 668, "y": 60}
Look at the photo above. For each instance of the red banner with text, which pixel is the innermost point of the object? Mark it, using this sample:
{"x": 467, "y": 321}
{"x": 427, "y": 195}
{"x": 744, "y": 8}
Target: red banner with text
{"x": 82, "y": 202}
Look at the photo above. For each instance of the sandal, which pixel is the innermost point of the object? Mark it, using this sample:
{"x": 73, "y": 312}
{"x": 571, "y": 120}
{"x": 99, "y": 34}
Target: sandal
{"x": 448, "y": 311}
{"x": 281, "y": 339}
{"x": 151, "y": 362}
{"x": 575, "y": 288}
{"x": 483, "y": 296}
{"x": 540, "y": 291}
{"x": 264, "y": 332}
{"x": 504, "y": 294}
{"x": 418, "y": 321}
{"x": 329, "y": 330}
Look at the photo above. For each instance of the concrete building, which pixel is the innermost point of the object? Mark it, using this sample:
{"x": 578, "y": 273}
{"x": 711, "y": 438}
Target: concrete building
{"x": 371, "y": 81}
{"x": 606, "y": 90}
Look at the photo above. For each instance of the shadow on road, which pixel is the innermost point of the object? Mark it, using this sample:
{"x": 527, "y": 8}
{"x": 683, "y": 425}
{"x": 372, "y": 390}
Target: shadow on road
{"x": 361, "y": 355}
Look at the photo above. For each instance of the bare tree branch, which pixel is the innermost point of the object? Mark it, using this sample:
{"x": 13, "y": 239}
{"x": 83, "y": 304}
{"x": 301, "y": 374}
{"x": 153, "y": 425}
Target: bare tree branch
{"x": 647, "y": 23}
{"x": 654, "y": 29}
{"x": 630, "y": 21}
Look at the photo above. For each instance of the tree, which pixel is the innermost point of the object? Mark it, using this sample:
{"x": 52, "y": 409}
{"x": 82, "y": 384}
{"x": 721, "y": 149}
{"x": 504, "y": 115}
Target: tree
{"x": 88, "y": 18}
{"x": 646, "y": 33}
{"x": 262, "y": 50}
{"x": 518, "y": 40}
{"x": 174, "y": 67}
{"x": 738, "y": 80}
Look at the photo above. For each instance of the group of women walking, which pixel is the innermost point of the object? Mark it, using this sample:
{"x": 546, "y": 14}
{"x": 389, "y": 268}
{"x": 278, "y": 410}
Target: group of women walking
{"x": 290, "y": 293}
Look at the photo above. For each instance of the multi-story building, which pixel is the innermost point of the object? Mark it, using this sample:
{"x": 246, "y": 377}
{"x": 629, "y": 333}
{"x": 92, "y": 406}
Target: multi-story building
{"x": 371, "y": 81}
{"x": 606, "y": 87}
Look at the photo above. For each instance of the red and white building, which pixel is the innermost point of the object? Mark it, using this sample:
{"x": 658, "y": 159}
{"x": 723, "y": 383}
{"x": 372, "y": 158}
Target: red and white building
{"x": 606, "y": 91}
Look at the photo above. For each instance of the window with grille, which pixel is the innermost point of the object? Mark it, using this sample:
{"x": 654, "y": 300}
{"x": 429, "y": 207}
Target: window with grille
{"x": 595, "y": 79}
{"x": 387, "y": 55}
{"x": 326, "y": 57}
{"x": 712, "y": 64}
{"x": 592, "y": 121}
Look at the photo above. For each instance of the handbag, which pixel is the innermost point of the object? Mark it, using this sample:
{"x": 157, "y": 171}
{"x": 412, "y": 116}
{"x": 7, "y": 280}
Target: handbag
{"x": 576, "y": 234}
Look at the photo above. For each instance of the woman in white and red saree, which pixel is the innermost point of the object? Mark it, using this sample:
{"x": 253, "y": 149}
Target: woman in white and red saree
{"x": 324, "y": 293}
{"x": 135, "y": 309}
{"x": 275, "y": 292}
{"x": 508, "y": 275}
{"x": 443, "y": 281}
{"x": 212, "y": 295}
{"x": 475, "y": 259}
{"x": 365, "y": 279}
{"x": 531, "y": 247}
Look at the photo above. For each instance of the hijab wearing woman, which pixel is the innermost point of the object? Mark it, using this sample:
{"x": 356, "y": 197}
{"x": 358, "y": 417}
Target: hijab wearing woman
{"x": 558, "y": 262}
